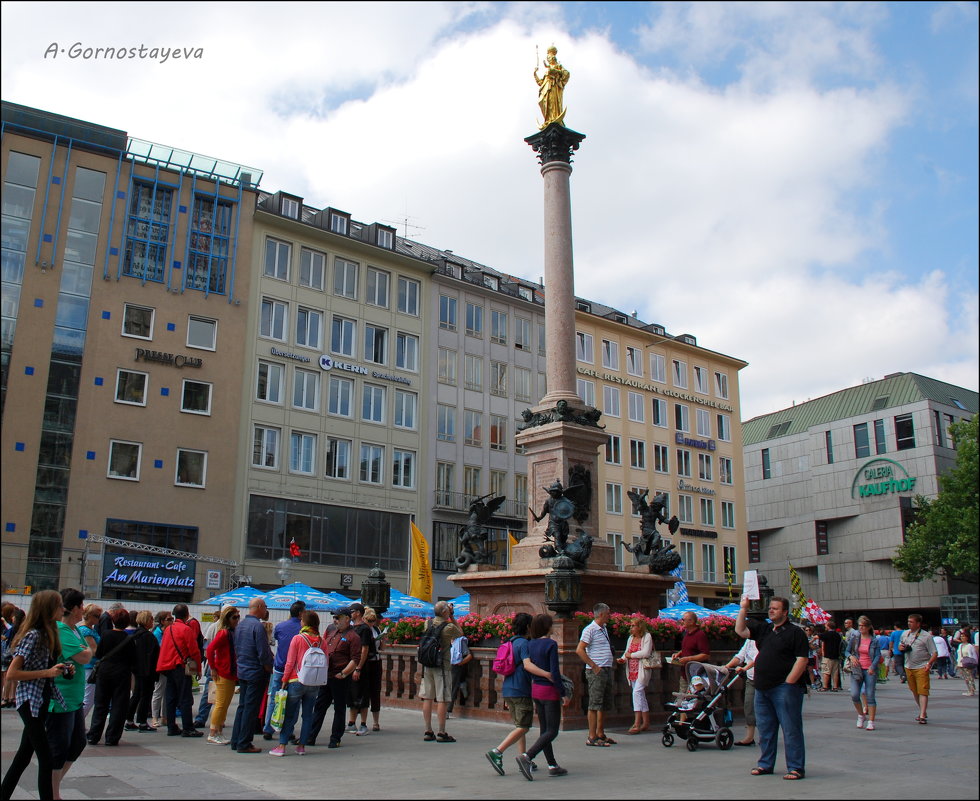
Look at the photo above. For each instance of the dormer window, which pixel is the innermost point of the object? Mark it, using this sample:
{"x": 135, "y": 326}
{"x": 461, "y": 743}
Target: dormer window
{"x": 453, "y": 270}
{"x": 491, "y": 281}
{"x": 289, "y": 207}
{"x": 621, "y": 318}
{"x": 339, "y": 222}
{"x": 386, "y": 238}
{"x": 583, "y": 306}
{"x": 525, "y": 293}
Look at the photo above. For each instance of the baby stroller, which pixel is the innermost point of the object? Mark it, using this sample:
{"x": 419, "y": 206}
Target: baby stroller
{"x": 701, "y": 715}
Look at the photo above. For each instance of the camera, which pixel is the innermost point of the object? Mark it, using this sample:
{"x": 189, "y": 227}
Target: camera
{"x": 68, "y": 671}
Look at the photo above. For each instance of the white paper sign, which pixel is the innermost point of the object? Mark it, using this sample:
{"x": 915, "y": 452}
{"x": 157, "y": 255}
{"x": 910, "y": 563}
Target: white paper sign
{"x": 750, "y": 585}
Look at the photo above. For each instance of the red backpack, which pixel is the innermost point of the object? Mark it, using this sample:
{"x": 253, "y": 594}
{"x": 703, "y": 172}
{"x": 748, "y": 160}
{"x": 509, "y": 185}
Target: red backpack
{"x": 503, "y": 662}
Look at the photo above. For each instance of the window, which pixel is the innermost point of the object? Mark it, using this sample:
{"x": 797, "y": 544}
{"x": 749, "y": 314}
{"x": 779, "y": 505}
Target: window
{"x": 721, "y": 385}
{"x": 447, "y": 313}
{"x": 498, "y": 327}
{"x": 904, "y": 432}
{"x": 681, "y": 419}
{"x": 679, "y": 373}
{"x": 658, "y": 368}
{"x": 687, "y": 561}
{"x": 343, "y": 335}
{"x": 755, "y": 547}
{"x": 704, "y": 467}
{"x": 707, "y": 512}
{"x": 880, "y": 436}
{"x": 498, "y": 379}
{"x": 542, "y": 340}
{"x": 446, "y": 423}
{"x": 634, "y": 361}
{"x": 373, "y": 404}
{"x": 526, "y": 292}
{"x": 472, "y": 427}
{"x": 498, "y": 432}
{"x": 378, "y": 282}
{"x": 265, "y": 447}
{"x": 729, "y": 563}
{"x": 614, "y": 454}
{"x": 372, "y": 464}
{"x": 586, "y": 391}
{"x": 269, "y": 385}
{"x": 375, "y": 344}
{"x": 192, "y": 468}
{"x": 338, "y": 223}
{"x": 701, "y": 380}
{"x": 473, "y": 372}
{"x": 726, "y": 473}
{"x": 766, "y": 467}
{"x": 131, "y": 387}
{"x": 829, "y": 442}
{"x": 202, "y": 333}
{"x": 708, "y": 560}
{"x": 272, "y": 320}
{"x": 195, "y": 397}
{"x": 522, "y": 384}
{"x": 474, "y": 320}
{"x": 522, "y": 333}
{"x": 724, "y": 428}
{"x": 277, "y": 259}
{"x": 289, "y": 207}
{"x": 124, "y": 460}
{"x": 685, "y": 511}
{"x": 704, "y": 423}
{"x": 306, "y": 388}
{"x": 338, "y": 458}
{"x": 312, "y": 266}
{"x": 148, "y": 232}
{"x": 403, "y": 469}
{"x": 862, "y": 445}
{"x": 610, "y": 401}
{"x": 340, "y": 396}
{"x": 610, "y": 354}
{"x": 520, "y": 490}
{"x": 661, "y": 458}
{"x": 659, "y": 413}
{"x": 309, "y": 323}
{"x": 638, "y": 454}
{"x": 636, "y": 407}
{"x": 406, "y": 409}
{"x": 407, "y": 352}
{"x": 447, "y": 366}
{"x": 445, "y": 483}
{"x": 472, "y": 481}
{"x": 210, "y": 244}
{"x": 408, "y": 296}
{"x": 345, "y": 278}
{"x": 822, "y": 541}
{"x": 302, "y": 453}
{"x": 614, "y": 498}
{"x": 137, "y": 321}
{"x": 583, "y": 347}
{"x": 683, "y": 462}
{"x": 498, "y": 482}
{"x": 727, "y": 514}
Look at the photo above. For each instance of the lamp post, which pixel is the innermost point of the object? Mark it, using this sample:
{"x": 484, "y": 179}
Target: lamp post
{"x": 376, "y": 591}
{"x": 563, "y": 588}
{"x": 759, "y": 608}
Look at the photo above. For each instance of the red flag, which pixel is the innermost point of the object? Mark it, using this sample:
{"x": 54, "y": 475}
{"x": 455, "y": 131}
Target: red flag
{"x": 294, "y": 549}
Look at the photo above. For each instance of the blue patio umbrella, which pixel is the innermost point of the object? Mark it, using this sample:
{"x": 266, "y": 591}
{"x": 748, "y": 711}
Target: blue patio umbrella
{"x": 461, "y": 604}
{"x": 286, "y": 596}
{"x": 675, "y": 612}
{"x": 729, "y": 610}
{"x": 238, "y": 597}
{"x": 401, "y": 605}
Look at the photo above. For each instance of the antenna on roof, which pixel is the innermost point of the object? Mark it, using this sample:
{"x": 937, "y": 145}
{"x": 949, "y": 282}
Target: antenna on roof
{"x": 404, "y": 222}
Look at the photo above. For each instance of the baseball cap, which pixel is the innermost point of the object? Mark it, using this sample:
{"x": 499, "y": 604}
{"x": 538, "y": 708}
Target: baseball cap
{"x": 357, "y": 607}
{"x": 344, "y": 610}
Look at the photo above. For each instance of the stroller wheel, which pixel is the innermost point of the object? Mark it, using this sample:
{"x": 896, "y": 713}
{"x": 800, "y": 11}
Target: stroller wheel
{"x": 725, "y": 739}
{"x": 692, "y": 744}
{"x": 667, "y": 740}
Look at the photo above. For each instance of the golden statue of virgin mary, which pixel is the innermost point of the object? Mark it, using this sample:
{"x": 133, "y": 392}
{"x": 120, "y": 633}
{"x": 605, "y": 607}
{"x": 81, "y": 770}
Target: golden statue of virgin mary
{"x": 552, "y": 88}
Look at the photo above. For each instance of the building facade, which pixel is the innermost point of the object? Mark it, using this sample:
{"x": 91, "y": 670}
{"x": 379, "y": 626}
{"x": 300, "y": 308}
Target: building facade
{"x": 829, "y": 487}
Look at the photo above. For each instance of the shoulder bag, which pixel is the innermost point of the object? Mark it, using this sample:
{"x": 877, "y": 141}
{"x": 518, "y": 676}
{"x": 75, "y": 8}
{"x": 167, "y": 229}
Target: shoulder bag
{"x": 94, "y": 672}
{"x": 190, "y": 666}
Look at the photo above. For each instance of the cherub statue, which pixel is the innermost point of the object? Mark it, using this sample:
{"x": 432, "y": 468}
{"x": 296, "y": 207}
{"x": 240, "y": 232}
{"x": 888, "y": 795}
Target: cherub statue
{"x": 473, "y": 536}
{"x": 651, "y": 549}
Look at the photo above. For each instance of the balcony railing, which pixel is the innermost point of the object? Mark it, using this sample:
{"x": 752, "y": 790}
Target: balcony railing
{"x": 460, "y": 502}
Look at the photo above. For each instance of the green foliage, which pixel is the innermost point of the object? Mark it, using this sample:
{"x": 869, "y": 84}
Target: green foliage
{"x": 943, "y": 538}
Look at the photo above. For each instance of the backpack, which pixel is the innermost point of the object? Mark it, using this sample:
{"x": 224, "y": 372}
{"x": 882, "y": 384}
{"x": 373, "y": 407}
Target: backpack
{"x": 430, "y": 646}
{"x": 503, "y": 662}
{"x": 313, "y": 669}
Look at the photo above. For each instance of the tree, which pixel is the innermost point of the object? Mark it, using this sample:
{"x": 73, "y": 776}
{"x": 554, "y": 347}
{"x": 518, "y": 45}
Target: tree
{"x": 943, "y": 538}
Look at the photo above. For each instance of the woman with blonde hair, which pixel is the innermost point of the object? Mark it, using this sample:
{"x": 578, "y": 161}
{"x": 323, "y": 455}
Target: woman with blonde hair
{"x": 639, "y": 646}
{"x": 864, "y": 654}
{"x": 37, "y": 647}
{"x": 224, "y": 671}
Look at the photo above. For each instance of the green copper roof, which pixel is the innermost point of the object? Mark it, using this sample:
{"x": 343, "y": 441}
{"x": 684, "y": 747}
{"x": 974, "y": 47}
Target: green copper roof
{"x": 892, "y": 391}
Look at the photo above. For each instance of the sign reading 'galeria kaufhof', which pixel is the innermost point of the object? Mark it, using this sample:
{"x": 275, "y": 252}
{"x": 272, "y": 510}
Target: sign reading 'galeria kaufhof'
{"x": 881, "y": 477}
{"x": 146, "y": 572}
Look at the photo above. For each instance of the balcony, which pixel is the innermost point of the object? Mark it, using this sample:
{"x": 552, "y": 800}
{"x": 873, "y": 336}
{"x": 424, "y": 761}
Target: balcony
{"x": 460, "y": 502}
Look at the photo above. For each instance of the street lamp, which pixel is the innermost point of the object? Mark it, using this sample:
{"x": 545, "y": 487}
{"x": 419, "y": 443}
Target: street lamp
{"x": 759, "y": 608}
{"x": 563, "y": 588}
{"x": 376, "y": 592}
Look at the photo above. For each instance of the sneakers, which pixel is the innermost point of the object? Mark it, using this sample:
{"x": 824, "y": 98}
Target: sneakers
{"x": 217, "y": 739}
{"x": 300, "y": 750}
{"x": 870, "y": 726}
{"x": 363, "y": 731}
{"x": 497, "y": 760}
{"x": 191, "y": 733}
{"x": 352, "y": 728}
{"x": 524, "y": 765}
{"x": 130, "y": 726}
{"x": 279, "y": 750}
{"x": 534, "y": 768}
{"x": 860, "y": 723}
{"x": 557, "y": 770}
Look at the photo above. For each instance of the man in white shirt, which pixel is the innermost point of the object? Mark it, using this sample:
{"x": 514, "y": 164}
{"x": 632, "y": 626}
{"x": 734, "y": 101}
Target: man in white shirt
{"x": 595, "y": 650}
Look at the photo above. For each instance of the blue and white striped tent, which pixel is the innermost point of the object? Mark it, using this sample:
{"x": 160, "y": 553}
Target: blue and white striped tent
{"x": 237, "y": 597}
{"x": 675, "y": 612}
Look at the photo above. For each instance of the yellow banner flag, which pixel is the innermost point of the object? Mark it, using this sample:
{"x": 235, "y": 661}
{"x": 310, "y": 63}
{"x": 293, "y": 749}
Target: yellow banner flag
{"x": 511, "y": 542}
{"x": 420, "y": 574}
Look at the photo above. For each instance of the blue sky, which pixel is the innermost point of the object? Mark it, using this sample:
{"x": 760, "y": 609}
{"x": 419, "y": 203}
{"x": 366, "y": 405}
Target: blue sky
{"x": 793, "y": 183}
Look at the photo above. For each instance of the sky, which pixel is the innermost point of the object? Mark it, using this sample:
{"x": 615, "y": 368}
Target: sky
{"x": 795, "y": 184}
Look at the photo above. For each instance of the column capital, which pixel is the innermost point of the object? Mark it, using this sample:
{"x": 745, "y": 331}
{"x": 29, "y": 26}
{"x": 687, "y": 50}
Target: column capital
{"x": 555, "y": 143}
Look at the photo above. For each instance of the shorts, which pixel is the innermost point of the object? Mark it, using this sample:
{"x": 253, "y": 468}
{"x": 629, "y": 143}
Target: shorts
{"x": 830, "y": 669}
{"x": 521, "y": 711}
{"x": 436, "y": 684}
{"x": 918, "y": 680}
{"x": 66, "y": 736}
{"x": 600, "y": 689}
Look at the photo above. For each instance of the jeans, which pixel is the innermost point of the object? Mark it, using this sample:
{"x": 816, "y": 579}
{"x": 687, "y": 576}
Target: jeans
{"x": 204, "y": 707}
{"x": 178, "y": 694}
{"x": 776, "y": 708}
{"x": 34, "y": 741}
{"x": 275, "y": 684}
{"x": 549, "y": 718}
{"x": 333, "y": 692}
{"x": 863, "y": 681}
{"x": 249, "y": 702}
{"x": 300, "y": 696}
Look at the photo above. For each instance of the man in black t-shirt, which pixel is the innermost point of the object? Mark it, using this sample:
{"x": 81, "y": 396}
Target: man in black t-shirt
{"x": 780, "y": 682}
{"x": 830, "y": 643}
{"x": 360, "y": 698}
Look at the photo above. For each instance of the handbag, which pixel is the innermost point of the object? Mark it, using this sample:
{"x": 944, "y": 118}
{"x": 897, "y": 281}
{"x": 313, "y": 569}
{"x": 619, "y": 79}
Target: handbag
{"x": 279, "y": 710}
{"x": 652, "y": 662}
{"x": 190, "y": 666}
{"x": 93, "y": 674}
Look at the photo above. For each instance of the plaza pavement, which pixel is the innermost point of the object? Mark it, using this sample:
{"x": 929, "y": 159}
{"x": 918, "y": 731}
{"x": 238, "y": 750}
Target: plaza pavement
{"x": 901, "y": 759}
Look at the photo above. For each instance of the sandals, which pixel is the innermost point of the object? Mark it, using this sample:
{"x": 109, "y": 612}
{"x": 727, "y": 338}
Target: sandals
{"x": 633, "y": 730}
{"x": 443, "y": 737}
{"x": 429, "y": 736}
{"x": 376, "y": 727}
{"x": 596, "y": 742}
{"x": 794, "y": 775}
{"x": 609, "y": 740}
{"x": 760, "y": 772}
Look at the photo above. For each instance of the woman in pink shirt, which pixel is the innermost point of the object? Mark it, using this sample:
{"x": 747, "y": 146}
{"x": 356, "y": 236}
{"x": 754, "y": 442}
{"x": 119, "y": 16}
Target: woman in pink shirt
{"x": 863, "y": 658}
{"x": 299, "y": 694}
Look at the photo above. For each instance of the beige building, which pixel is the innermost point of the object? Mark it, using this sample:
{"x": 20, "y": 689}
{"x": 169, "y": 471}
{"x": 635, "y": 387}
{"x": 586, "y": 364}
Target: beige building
{"x": 125, "y": 296}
